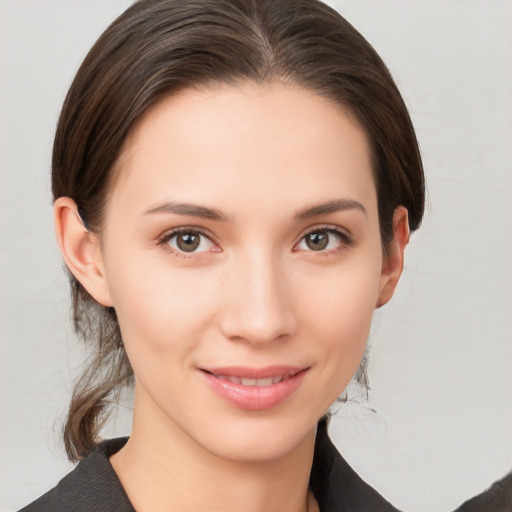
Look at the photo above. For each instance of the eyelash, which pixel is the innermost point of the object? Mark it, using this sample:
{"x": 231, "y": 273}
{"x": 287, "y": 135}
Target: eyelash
{"x": 344, "y": 238}
{"x": 164, "y": 240}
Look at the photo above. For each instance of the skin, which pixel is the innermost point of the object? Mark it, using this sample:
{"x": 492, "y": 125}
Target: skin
{"x": 253, "y": 294}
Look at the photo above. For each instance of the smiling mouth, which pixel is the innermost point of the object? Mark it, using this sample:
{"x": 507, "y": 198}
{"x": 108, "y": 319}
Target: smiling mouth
{"x": 255, "y": 389}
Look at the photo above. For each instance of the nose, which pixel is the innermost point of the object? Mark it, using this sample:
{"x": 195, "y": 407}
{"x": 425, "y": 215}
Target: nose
{"x": 258, "y": 305}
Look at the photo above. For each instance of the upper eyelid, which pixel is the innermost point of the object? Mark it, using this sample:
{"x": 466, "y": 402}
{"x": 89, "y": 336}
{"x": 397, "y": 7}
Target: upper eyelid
{"x": 326, "y": 227}
{"x": 170, "y": 233}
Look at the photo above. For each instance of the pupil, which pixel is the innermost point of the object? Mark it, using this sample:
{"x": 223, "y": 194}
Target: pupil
{"x": 188, "y": 242}
{"x": 317, "y": 241}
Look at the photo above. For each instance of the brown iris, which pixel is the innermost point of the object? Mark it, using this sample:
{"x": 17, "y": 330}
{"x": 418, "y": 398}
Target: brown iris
{"x": 318, "y": 240}
{"x": 188, "y": 242}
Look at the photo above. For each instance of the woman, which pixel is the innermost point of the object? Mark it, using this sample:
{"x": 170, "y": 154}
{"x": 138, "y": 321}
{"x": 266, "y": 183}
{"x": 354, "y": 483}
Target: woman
{"x": 234, "y": 187}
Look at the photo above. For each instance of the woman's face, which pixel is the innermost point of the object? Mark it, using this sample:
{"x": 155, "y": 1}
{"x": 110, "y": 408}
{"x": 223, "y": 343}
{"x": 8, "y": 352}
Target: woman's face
{"x": 241, "y": 252}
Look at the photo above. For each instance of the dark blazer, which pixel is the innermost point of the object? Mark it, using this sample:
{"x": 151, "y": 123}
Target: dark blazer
{"x": 498, "y": 498}
{"x": 93, "y": 486}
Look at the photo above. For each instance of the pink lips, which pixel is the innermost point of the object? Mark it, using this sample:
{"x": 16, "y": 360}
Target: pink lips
{"x": 255, "y": 389}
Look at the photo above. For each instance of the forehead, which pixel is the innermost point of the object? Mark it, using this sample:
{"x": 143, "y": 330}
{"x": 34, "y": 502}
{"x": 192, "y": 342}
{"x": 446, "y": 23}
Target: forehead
{"x": 250, "y": 143}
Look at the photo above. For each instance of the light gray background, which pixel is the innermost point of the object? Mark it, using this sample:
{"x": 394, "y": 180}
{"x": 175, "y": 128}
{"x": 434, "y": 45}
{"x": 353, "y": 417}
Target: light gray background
{"x": 442, "y": 355}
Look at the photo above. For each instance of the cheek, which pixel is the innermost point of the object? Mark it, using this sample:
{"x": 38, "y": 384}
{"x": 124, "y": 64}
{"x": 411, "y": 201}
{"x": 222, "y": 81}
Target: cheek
{"x": 343, "y": 299}
{"x": 160, "y": 309}
{"x": 342, "y": 328}
{"x": 340, "y": 309}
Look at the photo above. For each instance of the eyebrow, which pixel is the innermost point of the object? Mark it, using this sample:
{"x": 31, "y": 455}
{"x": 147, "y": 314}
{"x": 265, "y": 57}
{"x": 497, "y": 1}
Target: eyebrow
{"x": 191, "y": 210}
{"x": 330, "y": 207}
{"x": 194, "y": 210}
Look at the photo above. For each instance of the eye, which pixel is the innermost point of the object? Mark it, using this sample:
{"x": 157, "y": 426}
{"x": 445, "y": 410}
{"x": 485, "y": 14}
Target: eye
{"x": 187, "y": 241}
{"x": 323, "y": 240}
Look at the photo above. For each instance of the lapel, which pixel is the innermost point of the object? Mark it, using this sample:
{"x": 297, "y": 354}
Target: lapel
{"x": 336, "y": 486}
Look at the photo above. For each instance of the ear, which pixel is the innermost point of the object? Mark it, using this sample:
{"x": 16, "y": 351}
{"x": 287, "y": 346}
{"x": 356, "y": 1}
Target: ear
{"x": 81, "y": 250}
{"x": 393, "y": 263}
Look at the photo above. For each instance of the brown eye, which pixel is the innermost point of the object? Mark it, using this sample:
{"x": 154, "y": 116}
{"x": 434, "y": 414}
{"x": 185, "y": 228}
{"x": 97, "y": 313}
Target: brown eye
{"x": 317, "y": 241}
{"x": 324, "y": 240}
{"x": 189, "y": 242}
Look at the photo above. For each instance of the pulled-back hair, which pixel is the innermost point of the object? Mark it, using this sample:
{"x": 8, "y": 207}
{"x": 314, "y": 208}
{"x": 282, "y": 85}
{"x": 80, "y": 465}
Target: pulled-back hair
{"x": 158, "y": 47}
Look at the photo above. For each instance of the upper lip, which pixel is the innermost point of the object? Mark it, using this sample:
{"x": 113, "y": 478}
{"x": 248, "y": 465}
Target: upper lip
{"x": 245, "y": 372}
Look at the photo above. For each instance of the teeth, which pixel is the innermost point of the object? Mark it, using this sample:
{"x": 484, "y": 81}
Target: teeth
{"x": 267, "y": 381}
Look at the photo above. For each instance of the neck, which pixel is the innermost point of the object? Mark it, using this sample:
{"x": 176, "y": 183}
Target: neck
{"x": 162, "y": 469}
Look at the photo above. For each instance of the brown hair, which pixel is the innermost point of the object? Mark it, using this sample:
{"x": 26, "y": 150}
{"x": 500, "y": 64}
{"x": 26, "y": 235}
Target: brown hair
{"x": 157, "y": 47}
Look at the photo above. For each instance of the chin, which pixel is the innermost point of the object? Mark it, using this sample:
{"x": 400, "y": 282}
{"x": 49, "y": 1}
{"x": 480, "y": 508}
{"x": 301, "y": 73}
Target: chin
{"x": 257, "y": 438}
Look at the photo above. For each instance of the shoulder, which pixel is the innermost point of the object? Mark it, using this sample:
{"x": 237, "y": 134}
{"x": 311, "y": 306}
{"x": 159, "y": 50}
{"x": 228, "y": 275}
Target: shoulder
{"x": 337, "y": 486}
{"x": 92, "y": 486}
{"x": 497, "y": 498}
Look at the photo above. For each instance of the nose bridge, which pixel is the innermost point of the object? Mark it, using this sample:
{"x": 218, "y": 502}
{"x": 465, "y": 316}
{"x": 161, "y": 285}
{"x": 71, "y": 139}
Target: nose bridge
{"x": 260, "y": 304}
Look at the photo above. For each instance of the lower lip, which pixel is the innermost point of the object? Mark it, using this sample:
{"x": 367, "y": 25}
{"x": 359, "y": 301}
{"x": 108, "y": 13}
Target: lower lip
{"x": 255, "y": 398}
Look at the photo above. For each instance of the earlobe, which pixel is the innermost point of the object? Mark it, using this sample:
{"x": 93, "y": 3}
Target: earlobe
{"x": 393, "y": 263}
{"x": 81, "y": 250}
